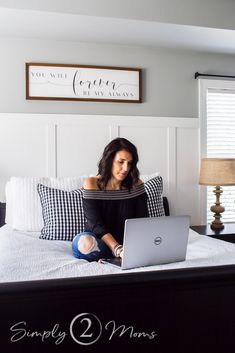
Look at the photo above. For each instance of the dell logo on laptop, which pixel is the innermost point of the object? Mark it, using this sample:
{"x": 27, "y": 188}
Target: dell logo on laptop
{"x": 157, "y": 240}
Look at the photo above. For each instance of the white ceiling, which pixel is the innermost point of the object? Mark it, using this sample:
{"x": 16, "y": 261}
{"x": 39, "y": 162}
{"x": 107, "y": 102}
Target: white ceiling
{"x": 18, "y": 23}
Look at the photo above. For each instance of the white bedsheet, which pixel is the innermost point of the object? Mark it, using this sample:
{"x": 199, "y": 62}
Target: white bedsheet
{"x": 23, "y": 256}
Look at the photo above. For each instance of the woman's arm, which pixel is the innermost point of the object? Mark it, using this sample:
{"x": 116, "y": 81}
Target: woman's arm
{"x": 141, "y": 210}
{"x": 94, "y": 223}
{"x": 93, "y": 216}
{"x": 109, "y": 240}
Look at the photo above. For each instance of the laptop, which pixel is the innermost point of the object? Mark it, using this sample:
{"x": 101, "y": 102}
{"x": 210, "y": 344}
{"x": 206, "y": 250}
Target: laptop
{"x": 153, "y": 241}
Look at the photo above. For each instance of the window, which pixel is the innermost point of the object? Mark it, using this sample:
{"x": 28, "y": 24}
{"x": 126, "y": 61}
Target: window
{"x": 217, "y": 112}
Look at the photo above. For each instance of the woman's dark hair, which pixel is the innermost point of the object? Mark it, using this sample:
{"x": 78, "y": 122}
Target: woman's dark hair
{"x": 106, "y": 162}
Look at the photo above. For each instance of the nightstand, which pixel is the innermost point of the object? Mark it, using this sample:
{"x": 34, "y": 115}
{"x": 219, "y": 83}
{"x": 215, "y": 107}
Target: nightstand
{"x": 226, "y": 234}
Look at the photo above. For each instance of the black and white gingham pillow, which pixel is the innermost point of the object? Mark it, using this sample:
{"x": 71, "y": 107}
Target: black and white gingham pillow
{"x": 62, "y": 213}
{"x": 154, "y": 190}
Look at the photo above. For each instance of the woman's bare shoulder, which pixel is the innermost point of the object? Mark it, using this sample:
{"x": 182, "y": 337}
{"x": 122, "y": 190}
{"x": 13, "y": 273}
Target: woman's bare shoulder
{"x": 139, "y": 182}
{"x": 91, "y": 183}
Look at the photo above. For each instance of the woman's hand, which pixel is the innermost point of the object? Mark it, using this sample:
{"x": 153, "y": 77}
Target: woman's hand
{"x": 118, "y": 250}
{"x": 121, "y": 253}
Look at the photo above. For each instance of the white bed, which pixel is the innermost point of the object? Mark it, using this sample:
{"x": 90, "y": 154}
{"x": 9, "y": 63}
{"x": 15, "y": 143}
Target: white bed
{"x": 25, "y": 257}
{"x": 42, "y": 283}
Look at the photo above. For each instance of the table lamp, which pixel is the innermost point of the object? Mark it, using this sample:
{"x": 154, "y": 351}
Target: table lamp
{"x": 217, "y": 172}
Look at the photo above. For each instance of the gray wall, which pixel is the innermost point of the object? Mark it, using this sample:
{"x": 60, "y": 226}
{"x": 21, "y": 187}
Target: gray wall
{"x": 169, "y": 87}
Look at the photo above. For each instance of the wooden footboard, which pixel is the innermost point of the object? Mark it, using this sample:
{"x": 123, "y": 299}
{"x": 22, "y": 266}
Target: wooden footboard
{"x": 175, "y": 311}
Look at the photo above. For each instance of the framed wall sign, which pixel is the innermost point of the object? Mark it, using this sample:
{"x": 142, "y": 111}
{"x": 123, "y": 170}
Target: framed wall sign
{"x": 82, "y": 83}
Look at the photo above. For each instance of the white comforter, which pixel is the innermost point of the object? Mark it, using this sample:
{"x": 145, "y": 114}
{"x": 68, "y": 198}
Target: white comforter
{"x": 23, "y": 256}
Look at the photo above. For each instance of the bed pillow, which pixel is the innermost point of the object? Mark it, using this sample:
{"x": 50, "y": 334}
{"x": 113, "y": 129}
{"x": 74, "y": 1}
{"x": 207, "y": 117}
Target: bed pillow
{"x": 25, "y": 210}
{"x": 154, "y": 190}
{"x": 147, "y": 177}
{"x": 67, "y": 183}
{"x": 62, "y": 213}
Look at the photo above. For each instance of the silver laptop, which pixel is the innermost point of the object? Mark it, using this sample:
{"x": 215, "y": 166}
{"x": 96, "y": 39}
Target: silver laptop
{"x": 153, "y": 241}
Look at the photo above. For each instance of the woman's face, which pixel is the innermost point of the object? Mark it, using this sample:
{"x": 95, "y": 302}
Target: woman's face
{"x": 121, "y": 165}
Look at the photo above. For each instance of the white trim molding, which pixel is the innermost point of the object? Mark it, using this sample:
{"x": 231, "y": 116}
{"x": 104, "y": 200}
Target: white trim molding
{"x": 71, "y": 145}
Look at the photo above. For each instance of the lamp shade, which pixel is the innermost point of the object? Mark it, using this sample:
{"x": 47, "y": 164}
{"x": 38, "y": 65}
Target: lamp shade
{"x": 217, "y": 171}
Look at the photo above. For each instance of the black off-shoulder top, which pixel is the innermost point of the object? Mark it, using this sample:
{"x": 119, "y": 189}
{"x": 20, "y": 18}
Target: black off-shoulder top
{"x": 106, "y": 211}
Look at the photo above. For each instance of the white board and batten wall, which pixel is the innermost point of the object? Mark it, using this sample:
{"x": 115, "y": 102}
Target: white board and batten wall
{"x": 71, "y": 145}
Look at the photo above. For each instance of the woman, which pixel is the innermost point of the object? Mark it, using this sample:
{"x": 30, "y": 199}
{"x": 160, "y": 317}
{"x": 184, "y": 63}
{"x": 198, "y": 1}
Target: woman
{"x": 110, "y": 198}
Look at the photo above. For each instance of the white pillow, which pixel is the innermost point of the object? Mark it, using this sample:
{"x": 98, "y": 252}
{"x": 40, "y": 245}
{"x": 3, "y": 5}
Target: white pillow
{"x": 26, "y": 207}
{"x": 147, "y": 177}
{"x": 25, "y": 211}
{"x": 67, "y": 184}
